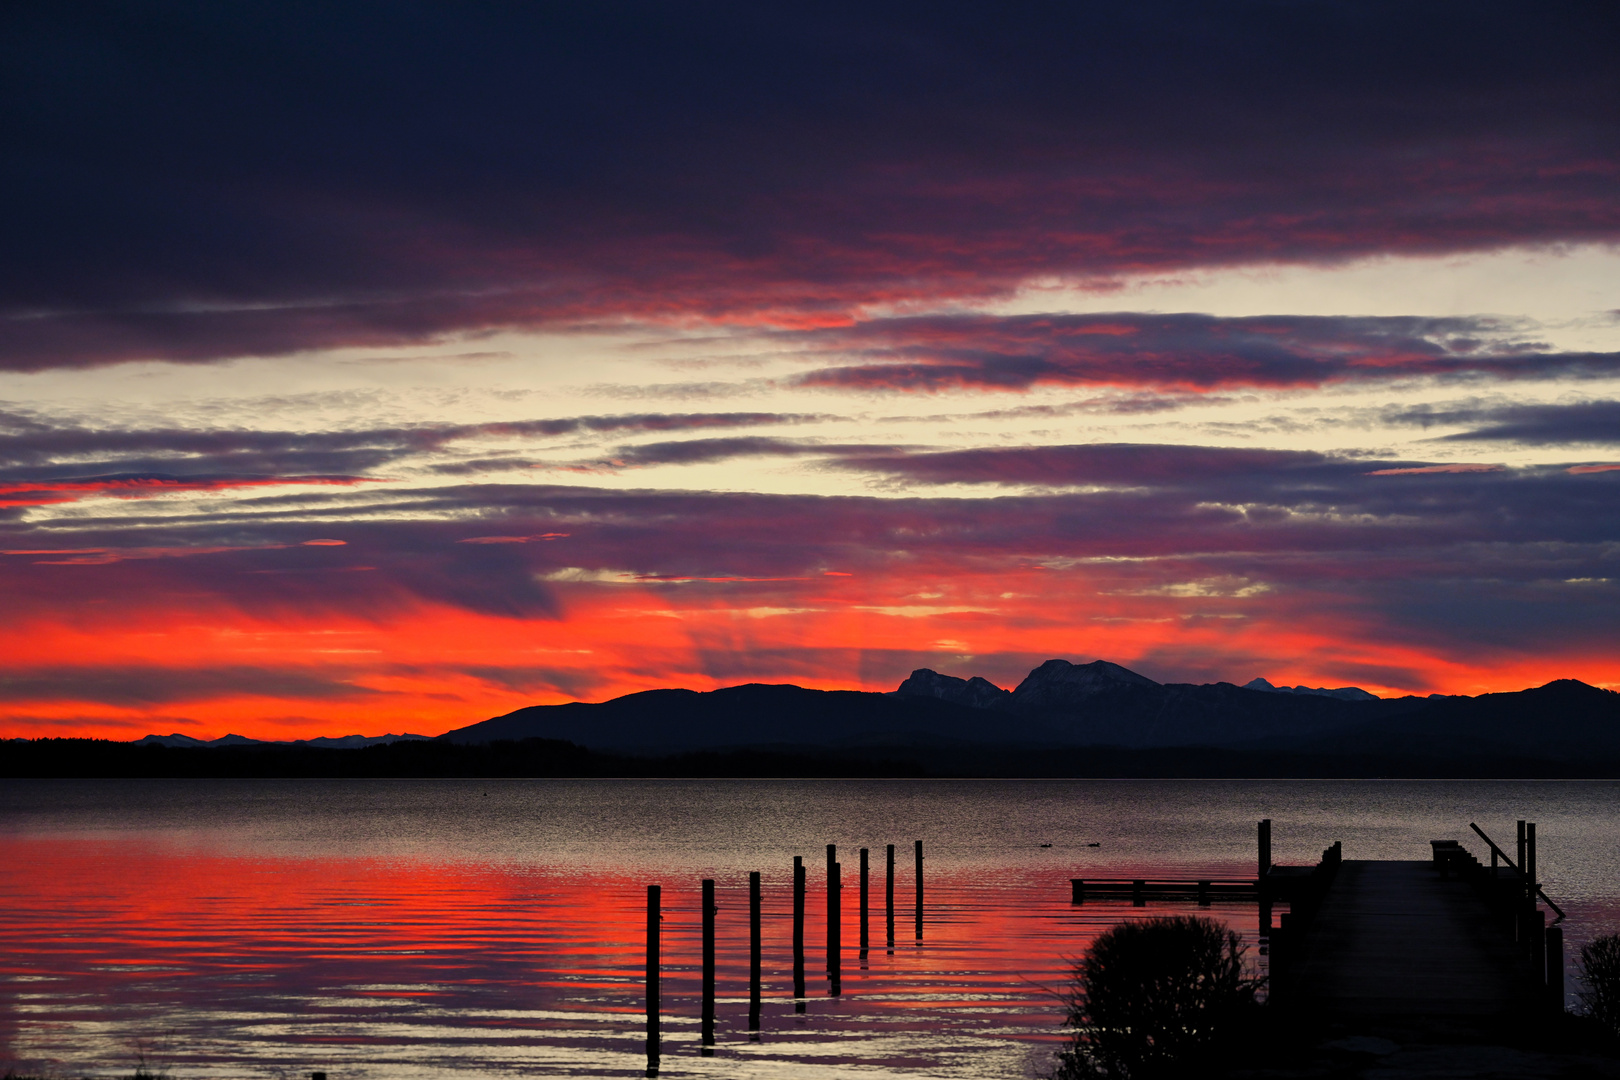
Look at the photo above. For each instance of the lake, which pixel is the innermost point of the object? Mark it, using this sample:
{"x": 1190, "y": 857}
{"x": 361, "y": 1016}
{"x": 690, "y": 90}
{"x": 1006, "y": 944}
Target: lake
{"x": 495, "y": 928}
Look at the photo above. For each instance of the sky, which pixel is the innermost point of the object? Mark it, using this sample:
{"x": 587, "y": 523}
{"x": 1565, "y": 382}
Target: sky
{"x": 387, "y": 367}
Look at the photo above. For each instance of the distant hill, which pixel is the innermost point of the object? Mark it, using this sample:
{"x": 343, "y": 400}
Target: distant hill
{"x": 1104, "y": 704}
{"x": 1058, "y": 704}
{"x": 1347, "y": 693}
{"x": 1563, "y": 720}
{"x": 754, "y": 715}
{"x": 1062, "y": 705}
{"x": 340, "y": 742}
{"x": 1064, "y": 719}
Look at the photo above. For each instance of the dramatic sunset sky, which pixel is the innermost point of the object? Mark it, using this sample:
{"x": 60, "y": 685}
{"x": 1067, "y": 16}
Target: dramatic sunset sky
{"x": 382, "y": 367}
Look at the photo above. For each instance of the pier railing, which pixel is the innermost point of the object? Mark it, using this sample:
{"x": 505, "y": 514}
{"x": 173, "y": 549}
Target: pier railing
{"x": 1509, "y": 888}
{"x": 1141, "y": 890}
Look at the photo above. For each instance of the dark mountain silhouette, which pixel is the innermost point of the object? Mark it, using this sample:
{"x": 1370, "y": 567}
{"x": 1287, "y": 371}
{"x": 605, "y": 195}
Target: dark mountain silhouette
{"x": 757, "y": 714}
{"x": 1104, "y": 704}
{"x": 343, "y": 742}
{"x": 978, "y": 692}
{"x": 1564, "y": 720}
{"x": 1061, "y": 705}
{"x": 1058, "y": 704}
{"x": 1348, "y": 693}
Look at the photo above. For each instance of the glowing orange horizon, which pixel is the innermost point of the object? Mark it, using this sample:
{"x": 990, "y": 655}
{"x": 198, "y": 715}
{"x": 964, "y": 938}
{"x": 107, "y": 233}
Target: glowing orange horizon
{"x": 430, "y": 668}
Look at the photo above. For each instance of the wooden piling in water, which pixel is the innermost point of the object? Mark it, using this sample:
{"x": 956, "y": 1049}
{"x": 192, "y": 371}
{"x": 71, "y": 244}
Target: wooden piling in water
{"x": 1136, "y": 893}
{"x": 1520, "y": 853}
{"x": 1529, "y": 863}
{"x": 834, "y": 919}
{"x": 753, "y": 950}
{"x": 654, "y": 918}
{"x": 864, "y": 874}
{"x": 1077, "y": 890}
{"x": 1203, "y": 894}
{"x": 708, "y": 961}
{"x": 798, "y": 933}
{"x": 1263, "y": 860}
{"x": 835, "y": 936}
{"x": 888, "y": 889}
{"x": 919, "y": 874}
{"x": 1555, "y": 968}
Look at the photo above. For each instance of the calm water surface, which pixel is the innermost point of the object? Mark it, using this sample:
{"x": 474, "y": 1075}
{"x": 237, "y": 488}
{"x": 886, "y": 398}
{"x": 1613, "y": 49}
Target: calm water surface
{"x": 469, "y": 928}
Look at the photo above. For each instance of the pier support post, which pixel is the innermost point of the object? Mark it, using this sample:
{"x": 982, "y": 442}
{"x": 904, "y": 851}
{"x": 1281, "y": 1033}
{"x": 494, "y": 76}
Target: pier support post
{"x": 1077, "y": 890}
{"x": 833, "y": 915}
{"x": 1203, "y": 894}
{"x": 864, "y": 907}
{"x": 798, "y": 933}
{"x": 1555, "y": 969}
{"x": 1537, "y": 935}
{"x": 888, "y": 889}
{"x": 1520, "y": 853}
{"x": 1263, "y": 862}
{"x": 708, "y": 962}
{"x": 654, "y": 918}
{"x": 1283, "y": 942}
{"x": 835, "y": 936}
{"x": 1136, "y": 894}
{"x": 1530, "y": 861}
{"x": 919, "y": 873}
{"x": 753, "y": 950}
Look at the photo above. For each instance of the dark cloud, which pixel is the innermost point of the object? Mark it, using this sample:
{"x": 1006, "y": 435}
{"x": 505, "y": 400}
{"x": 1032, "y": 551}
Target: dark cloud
{"x": 477, "y": 466}
{"x": 1153, "y": 464}
{"x": 1591, "y": 423}
{"x": 1465, "y": 607}
{"x": 1330, "y": 540}
{"x": 530, "y": 679}
{"x": 701, "y": 451}
{"x": 1154, "y": 501}
{"x": 268, "y": 568}
{"x": 122, "y": 685}
{"x": 75, "y": 726}
{"x": 1180, "y": 351}
{"x": 207, "y": 181}
{"x": 145, "y": 485}
{"x": 55, "y": 457}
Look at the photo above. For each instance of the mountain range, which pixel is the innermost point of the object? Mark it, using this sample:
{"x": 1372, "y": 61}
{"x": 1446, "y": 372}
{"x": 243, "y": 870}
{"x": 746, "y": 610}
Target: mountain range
{"x": 1063, "y": 705}
{"x": 325, "y": 742}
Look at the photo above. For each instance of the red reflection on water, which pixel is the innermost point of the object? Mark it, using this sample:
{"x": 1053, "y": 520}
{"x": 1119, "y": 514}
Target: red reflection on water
{"x": 374, "y": 966}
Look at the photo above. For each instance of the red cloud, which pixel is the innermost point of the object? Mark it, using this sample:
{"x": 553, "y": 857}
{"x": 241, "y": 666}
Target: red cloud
{"x": 1418, "y": 470}
{"x": 1195, "y": 562}
{"x": 512, "y": 539}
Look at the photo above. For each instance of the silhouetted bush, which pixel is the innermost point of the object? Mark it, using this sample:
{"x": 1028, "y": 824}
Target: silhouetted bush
{"x": 1600, "y": 981}
{"x": 1153, "y": 998}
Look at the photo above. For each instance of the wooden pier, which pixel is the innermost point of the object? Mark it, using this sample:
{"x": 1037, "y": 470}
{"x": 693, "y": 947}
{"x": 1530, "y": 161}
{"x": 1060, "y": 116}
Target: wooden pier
{"x": 1444, "y": 937}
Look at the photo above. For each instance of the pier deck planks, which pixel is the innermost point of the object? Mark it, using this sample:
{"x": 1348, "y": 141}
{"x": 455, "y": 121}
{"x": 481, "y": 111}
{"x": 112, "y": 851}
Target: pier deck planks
{"x": 1394, "y": 939}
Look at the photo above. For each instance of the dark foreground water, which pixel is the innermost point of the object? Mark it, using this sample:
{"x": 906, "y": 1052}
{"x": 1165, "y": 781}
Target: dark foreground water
{"x": 415, "y": 928}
